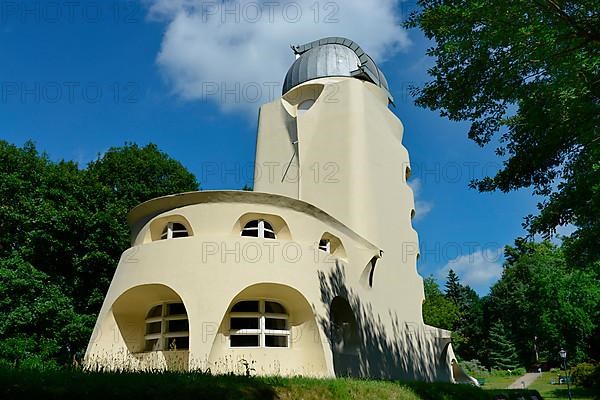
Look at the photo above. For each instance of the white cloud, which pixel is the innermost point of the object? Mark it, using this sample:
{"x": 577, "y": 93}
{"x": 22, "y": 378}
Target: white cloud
{"x": 479, "y": 269}
{"x": 422, "y": 207}
{"x": 206, "y": 48}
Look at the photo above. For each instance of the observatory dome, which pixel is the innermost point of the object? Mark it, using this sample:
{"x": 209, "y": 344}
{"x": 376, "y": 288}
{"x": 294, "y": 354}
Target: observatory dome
{"x": 333, "y": 56}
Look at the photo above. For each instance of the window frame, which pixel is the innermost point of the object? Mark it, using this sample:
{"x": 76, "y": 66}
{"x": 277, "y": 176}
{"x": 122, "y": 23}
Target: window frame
{"x": 326, "y": 247}
{"x": 260, "y": 229}
{"x": 168, "y": 231}
{"x": 262, "y": 332}
{"x": 164, "y": 335}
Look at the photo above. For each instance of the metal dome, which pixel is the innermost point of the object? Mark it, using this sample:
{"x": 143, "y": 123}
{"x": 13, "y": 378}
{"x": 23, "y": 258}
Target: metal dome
{"x": 333, "y": 56}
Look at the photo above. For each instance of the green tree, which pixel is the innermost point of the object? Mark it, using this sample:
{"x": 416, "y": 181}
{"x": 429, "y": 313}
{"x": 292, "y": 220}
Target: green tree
{"x": 540, "y": 296}
{"x": 530, "y": 72}
{"x": 469, "y": 328}
{"x": 503, "y": 354}
{"x": 119, "y": 180}
{"x": 38, "y": 323}
{"x": 62, "y": 231}
{"x": 134, "y": 174}
{"x": 438, "y": 311}
{"x": 454, "y": 289}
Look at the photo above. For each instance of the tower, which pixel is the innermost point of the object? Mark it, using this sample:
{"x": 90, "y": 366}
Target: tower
{"x": 312, "y": 273}
{"x": 332, "y": 141}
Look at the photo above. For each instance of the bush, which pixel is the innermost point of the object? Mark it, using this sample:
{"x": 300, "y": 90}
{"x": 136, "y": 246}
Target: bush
{"x": 586, "y": 374}
{"x": 474, "y": 368}
{"x": 504, "y": 372}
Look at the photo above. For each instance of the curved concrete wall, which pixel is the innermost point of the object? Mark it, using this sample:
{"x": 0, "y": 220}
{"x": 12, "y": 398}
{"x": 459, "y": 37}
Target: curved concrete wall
{"x": 215, "y": 267}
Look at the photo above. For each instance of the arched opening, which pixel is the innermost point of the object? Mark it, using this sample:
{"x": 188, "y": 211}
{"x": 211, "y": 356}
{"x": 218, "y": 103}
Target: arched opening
{"x": 345, "y": 338}
{"x": 173, "y": 230}
{"x": 331, "y": 244}
{"x": 367, "y": 277}
{"x": 273, "y": 327}
{"x": 152, "y": 322}
{"x": 373, "y": 263}
{"x": 406, "y": 173}
{"x": 259, "y": 225}
{"x": 168, "y": 227}
{"x": 259, "y": 228}
{"x": 305, "y": 105}
{"x": 302, "y": 98}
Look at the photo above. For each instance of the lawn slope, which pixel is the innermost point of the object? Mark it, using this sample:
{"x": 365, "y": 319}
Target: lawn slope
{"x": 47, "y": 385}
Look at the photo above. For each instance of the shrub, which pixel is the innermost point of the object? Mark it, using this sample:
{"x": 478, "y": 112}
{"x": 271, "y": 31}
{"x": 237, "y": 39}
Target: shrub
{"x": 586, "y": 374}
{"x": 513, "y": 372}
{"x": 474, "y": 368}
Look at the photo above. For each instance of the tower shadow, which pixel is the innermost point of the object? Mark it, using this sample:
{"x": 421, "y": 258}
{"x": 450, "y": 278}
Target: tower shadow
{"x": 363, "y": 346}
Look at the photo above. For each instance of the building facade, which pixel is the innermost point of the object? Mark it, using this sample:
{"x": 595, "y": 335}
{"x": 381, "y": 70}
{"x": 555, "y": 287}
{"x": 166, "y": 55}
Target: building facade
{"x": 313, "y": 273}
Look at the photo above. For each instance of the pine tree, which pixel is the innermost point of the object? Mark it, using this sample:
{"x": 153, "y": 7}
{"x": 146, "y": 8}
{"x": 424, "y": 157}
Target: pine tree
{"x": 453, "y": 288}
{"x": 503, "y": 354}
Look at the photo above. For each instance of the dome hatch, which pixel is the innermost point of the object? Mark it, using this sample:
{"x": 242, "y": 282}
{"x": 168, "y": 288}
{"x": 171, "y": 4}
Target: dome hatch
{"x": 333, "y": 56}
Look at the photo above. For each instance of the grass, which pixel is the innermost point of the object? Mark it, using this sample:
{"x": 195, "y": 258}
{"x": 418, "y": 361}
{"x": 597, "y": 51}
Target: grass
{"x": 498, "y": 381}
{"x": 70, "y": 384}
{"x": 555, "y": 392}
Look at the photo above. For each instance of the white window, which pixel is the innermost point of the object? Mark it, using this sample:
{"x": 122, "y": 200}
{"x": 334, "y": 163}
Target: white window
{"x": 174, "y": 230}
{"x": 167, "y": 328}
{"x": 325, "y": 245}
{"x": 258, "y": 323}
{"x": 259, "y": 228}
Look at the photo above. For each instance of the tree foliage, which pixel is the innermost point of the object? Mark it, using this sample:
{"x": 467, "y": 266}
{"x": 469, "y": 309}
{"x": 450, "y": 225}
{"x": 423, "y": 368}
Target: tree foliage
{"x": 453, "y": 288}
{"x": 540, "y": 302}
{"x": 540, "y": 296}
{"x": 62, "y": 230}
{"x": 503, "y": 354}
{"x": 438, "y": 311}
{"x": 528, "y": 70}
{"x": 469, "y": 330}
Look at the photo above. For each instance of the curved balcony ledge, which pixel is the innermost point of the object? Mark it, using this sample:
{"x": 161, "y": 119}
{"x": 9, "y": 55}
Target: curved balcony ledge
{"x": 145, "y": 212}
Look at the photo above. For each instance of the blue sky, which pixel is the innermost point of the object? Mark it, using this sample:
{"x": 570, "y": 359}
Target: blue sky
{"x": 79, "y": 79}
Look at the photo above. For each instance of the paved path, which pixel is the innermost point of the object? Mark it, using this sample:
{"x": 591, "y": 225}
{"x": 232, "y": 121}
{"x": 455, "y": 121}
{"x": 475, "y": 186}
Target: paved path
{"x": 527, "y": 379}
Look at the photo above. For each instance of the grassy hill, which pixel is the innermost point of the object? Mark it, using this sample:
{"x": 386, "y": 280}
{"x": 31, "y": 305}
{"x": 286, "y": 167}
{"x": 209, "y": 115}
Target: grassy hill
{"x": 21, "y": 384}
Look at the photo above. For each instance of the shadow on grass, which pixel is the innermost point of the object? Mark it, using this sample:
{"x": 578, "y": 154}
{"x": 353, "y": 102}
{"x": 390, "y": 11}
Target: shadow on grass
{"x": 74, "y": 384}
{"x": 577, "y": 393}
{"x": 29, "y": 384}
{"x": 447, "y": 391}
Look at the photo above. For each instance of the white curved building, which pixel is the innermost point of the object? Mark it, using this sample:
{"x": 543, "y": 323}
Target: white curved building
{"x": 314, "y": 273}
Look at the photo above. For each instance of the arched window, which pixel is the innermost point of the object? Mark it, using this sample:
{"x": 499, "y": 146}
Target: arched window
{"x": 174, "y": 230}
{"x": 259, "y": 228}
{"x": 332, "y": 245}
{"x": 167, "y": 328}
{"x": 258, "y": 323}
